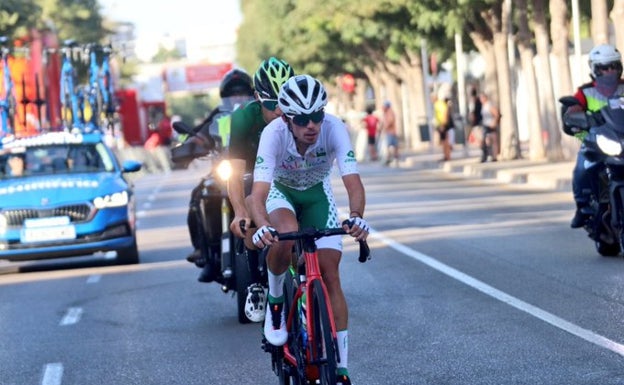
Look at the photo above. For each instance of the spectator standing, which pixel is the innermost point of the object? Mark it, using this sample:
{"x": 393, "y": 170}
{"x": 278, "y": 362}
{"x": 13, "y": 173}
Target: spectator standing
{"x": 444, "y": 124}
{"x": 389, "y": 128}
{"x": 490, "y": 121}
{"x": 474, "y": 107}
{"x": 371, "y": 122}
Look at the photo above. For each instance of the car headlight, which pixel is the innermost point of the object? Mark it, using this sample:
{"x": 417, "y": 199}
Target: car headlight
{"x": 224, "y": 170}
{"x": 112, "y": 200}
{"x": 608, "y": 146}
{"x": 3, "y": 223}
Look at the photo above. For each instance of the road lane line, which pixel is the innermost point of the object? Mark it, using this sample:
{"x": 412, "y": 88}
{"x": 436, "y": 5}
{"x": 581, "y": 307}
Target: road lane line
{"x": 517, "y": 303}
{"x": 52, "y": 374}
{"x": 72, "y": 316}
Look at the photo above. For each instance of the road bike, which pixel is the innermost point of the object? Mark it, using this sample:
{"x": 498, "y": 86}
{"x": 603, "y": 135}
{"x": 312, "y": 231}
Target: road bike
{"x": 7, "y": 96}
{"x": 71, "y": 113}
{"x": 310, "y": 355}
{"x": 106, "y": 86}
{"x": 93, "y": 91}
{"x": 101, "y": 92}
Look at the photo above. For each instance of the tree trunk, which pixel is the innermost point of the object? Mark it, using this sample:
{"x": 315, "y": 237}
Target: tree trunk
{"x": 554, "y": 151}
{"x": 617, "y": 17}
{"x": 498, "y": 20}
{"x": 559, "y": 32}
{"x": 599, "y": 22}
{"x": 417, "y": 107}
{"x": 536, "y": 144}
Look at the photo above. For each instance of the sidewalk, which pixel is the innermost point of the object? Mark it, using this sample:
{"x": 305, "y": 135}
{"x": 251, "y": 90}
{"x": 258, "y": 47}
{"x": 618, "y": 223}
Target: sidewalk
{"x": 466, "y": 161}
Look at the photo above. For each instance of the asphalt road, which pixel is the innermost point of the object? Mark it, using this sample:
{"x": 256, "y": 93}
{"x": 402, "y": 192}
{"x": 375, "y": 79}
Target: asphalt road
{"x": 471, "y": 282}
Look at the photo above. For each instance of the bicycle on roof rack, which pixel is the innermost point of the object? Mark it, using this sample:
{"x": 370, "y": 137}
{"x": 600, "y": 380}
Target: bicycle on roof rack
{"x": 310, "y": 355}
{"x": 93, "y": 92}
{"x": 106, "y": 85}
{"x": 7, "y": 95}
{"x": 71, "y": 113}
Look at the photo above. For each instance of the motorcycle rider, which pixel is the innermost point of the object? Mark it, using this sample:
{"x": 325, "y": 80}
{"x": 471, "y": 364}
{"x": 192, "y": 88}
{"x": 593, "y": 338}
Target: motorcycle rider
{"x": 246, "y": 127}
{"x": 605, "y": 63}
{"x": 235, "y": 89}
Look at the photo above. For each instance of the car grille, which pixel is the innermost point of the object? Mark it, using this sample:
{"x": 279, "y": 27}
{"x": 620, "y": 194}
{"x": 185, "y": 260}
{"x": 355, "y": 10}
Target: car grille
{"x": 76, "y": 213}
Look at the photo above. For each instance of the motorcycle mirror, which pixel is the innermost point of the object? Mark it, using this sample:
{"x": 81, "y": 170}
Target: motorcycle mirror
{"x": 182, "y": 128}
{"x": 569, "y": 101}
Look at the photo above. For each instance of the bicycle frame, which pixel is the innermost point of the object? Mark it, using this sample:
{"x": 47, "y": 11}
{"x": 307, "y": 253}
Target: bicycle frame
{"x": 94, "y": 88}
{"x": 69, "y": 96}
{"x": 106, "y": 82}
{"x": 312, "y": 275}
{"x": 7, "y": 102}
{"x": 319, "y": 346}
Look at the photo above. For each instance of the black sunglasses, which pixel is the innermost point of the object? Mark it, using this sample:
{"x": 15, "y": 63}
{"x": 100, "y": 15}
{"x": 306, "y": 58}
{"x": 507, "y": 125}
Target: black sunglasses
{"x": 609, "y": 66}
{"x": 269, "y": 104}
{"x": 304, "y": 119}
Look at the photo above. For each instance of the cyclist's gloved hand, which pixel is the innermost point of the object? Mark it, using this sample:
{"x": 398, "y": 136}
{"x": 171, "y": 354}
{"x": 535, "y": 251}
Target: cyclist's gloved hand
{"x": 359, "y": 228}
{"x": 262, "y": 237}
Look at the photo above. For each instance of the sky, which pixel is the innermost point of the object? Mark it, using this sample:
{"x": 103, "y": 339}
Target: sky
{"x": 213, "y": 21}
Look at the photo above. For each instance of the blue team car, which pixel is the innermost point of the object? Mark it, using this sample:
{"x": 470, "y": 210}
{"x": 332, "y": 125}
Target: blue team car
{"x": 65, "y": 195}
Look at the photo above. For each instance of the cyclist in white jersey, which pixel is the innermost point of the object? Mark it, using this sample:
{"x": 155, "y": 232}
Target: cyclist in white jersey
{"x": 292, "y": 189}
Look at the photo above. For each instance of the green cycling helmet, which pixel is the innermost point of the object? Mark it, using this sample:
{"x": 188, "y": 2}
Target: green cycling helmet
{"x": 270, "y": 76}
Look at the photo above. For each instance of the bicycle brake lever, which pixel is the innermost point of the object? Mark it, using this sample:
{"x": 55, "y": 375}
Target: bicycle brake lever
{"x": 364, "y": 252}
{"x": 364, "y": 249}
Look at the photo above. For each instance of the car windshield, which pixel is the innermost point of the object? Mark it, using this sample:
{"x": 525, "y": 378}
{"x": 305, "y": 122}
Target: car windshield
{"x": 55, "y": 159}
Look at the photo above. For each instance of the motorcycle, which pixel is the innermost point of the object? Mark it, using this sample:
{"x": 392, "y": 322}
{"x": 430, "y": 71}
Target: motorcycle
{"x": 603, "y": 146}
{"x": 235, "y": 266}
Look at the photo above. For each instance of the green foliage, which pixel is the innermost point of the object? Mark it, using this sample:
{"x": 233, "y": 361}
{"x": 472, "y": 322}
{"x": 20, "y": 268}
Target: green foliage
{"x": 191, "y": 107}
{"x": 18, "y": 16}
{"x": 76, "y": 19}
{"x": 164, "y": 55}
{"x": 347, "y": 35}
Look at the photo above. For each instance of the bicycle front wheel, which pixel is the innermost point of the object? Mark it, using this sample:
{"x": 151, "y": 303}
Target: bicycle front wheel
{"x": 323, "y": 349}
{"x": 288, "y": 373}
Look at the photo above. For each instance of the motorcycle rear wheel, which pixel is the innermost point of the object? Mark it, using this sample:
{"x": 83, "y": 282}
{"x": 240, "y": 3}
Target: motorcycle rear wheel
{"x": 607, "y": 249}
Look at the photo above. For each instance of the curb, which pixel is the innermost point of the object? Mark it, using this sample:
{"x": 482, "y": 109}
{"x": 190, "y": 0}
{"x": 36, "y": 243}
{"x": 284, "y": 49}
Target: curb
{"x": 542, "y": 174}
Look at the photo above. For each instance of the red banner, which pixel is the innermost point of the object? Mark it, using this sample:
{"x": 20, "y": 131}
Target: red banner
{"x": 195, "y": 77}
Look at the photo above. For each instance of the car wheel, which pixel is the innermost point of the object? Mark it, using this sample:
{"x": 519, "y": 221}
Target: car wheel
{"x": 128, "y": 255}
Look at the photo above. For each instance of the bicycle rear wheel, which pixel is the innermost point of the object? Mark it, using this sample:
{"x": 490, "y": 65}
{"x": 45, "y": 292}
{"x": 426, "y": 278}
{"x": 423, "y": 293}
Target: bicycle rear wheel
{"x": 323, "y": 349}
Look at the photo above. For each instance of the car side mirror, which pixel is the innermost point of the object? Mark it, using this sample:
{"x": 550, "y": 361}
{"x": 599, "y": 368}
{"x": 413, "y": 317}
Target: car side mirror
{"x": 131, "y": 166}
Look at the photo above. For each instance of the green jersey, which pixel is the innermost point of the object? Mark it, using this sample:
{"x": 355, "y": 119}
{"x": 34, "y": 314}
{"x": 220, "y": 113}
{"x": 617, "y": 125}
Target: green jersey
{"x": 246, "y": 126}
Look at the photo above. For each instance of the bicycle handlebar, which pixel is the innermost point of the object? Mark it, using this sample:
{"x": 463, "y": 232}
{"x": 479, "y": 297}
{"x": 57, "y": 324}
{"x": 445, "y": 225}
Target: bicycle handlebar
{"x": 314, "y": 233}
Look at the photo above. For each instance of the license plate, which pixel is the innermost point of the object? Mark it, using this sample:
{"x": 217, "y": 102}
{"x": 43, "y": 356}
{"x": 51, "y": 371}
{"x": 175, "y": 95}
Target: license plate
{"x": 47, "y": 229}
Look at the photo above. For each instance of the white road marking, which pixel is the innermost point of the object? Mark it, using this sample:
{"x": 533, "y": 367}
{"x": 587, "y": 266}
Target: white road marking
{"x": 72, "y": 316}
{"x": 534, "y": 311}
{"x": 94, "y": 278}
{"x": 52, "y": 374}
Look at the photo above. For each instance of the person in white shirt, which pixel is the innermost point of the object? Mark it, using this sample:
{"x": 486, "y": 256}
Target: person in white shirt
{"x": 292, "y": 188}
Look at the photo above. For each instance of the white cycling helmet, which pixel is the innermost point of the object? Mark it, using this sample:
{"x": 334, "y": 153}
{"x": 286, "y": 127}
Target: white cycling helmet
{"x": 301, "y": 94}
{"x": 255, "y": 304}
{"x": 601, "y": 55}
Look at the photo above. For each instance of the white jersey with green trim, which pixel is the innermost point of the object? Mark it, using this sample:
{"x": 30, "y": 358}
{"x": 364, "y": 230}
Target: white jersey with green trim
{"x": 279, "y": 160}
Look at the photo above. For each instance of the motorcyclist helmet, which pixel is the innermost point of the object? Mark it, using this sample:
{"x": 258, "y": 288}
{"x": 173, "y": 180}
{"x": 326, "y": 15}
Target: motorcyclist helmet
{"x": 302, "y": 95}
{"x": 255, "y": 303}
{"x": 603, "y": 57}
{"x": 236, "y": 82}
{"x": 270, "y": 76}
